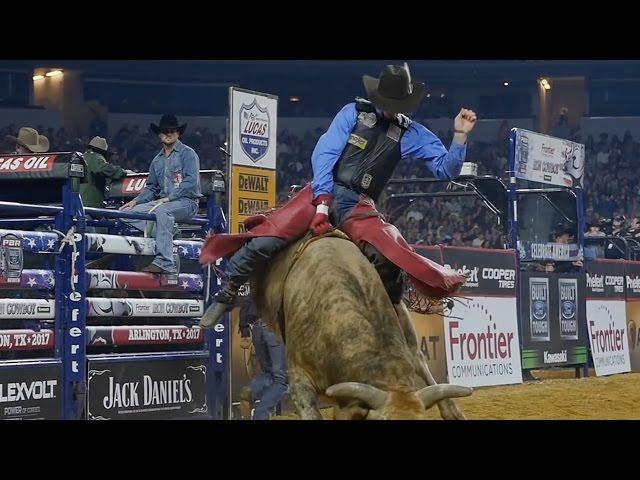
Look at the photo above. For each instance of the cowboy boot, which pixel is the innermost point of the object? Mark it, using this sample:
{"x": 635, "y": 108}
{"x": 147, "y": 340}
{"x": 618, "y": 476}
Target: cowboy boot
{"x": 224, "y": 303}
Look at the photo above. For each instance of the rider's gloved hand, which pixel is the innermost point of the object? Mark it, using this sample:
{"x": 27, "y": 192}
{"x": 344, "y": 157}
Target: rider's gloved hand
{"x": 320, "y": 223}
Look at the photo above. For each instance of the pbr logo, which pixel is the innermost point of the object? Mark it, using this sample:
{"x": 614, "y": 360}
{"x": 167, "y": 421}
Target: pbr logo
{"x": 539, "y": 290}
{"x": 254, "y": 130}
{"x": 11, "y": 259}
{"x": 568, "y": 309}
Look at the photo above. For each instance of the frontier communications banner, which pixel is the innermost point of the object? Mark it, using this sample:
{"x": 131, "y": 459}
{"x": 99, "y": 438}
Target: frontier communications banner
{"x": 606, "y": 317}
{"x": 481, "y": 331}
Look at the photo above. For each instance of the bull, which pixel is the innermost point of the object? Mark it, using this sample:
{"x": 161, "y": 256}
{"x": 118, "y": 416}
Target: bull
{"x": 346, "y": 343}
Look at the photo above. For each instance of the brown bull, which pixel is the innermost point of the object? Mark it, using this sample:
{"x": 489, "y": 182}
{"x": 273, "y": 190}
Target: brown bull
{"x": 344, "y": 340}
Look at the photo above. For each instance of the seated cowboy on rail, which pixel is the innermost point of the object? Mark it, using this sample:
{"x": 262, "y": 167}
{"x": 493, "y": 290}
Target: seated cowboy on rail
{"x": 172, "y": 192}
{"x": 352, "y": 163}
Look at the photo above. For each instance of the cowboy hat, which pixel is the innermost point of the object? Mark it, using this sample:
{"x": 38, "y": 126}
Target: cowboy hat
{"x": 394, "y": 91}
{"x": 99, "y": 145}
{"x": 30, "y": 139}
{"x": 167, "y": 122}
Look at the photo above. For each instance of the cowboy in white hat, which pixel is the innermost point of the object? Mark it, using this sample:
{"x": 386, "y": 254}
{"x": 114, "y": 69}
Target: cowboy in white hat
{"x": 29, "y": 141}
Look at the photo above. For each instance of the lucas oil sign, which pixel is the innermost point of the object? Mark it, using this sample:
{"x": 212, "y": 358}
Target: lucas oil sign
{"x": 253, "y": 128}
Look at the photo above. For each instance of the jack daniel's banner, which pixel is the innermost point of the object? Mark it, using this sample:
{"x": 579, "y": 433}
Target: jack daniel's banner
{"x": 159, "y": 389}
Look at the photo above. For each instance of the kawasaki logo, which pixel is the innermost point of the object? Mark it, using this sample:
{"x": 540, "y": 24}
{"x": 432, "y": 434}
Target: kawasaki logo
{"x": 555, "y": 357}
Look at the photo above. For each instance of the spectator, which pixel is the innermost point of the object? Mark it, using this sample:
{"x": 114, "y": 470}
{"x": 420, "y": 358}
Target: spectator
{"x": 29, "y": 141}
{"x": 97, "y": 157}
{"x": 594, "y": 231}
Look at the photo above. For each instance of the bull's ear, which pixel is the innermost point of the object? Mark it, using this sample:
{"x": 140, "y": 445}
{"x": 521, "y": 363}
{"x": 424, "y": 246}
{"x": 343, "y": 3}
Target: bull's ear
{"x": 435, "y": 393}
{"x": 372, "y": 396}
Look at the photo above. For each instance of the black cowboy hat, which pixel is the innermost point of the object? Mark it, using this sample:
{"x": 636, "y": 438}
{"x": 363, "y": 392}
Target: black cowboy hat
{"x": 394, "y": 91}
{"x": 168, "y": 121}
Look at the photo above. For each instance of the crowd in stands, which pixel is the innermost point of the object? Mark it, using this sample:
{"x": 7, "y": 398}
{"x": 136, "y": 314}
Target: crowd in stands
{"x": 611, "y": 182}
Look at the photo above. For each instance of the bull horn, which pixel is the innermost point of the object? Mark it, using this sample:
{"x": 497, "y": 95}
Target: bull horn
{"x": 435, "y": 393}
{"x": 372, "y": 396}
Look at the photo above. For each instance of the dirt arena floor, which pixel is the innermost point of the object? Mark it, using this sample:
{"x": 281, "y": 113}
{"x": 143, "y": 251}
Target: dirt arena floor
{"x": 555, "y": 394}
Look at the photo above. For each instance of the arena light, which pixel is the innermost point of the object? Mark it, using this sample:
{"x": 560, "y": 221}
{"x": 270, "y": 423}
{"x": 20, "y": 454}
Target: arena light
{"x": 428, "y": 95}
{"x": 442, "y": 95}
{"x": 38, "y": 77}
{"x": 545, "y": 84}
{"x": 294, "y": 99}
{"x": 54, "y": 73}
{"x": 506, "y": 84}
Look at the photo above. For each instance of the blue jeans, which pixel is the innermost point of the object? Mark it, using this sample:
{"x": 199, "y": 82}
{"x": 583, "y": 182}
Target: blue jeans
{"x": 271, "y": 384}
{"x": 165, "y": 227}
{"x": 344, "y": 201}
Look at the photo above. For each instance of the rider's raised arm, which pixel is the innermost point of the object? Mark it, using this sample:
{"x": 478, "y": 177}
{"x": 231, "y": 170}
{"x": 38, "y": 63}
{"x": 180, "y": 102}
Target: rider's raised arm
{"x": 330, "y": 147}
{"x": 419, "y": 142}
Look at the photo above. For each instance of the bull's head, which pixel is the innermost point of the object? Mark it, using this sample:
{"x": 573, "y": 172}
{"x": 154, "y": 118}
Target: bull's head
{"x": 367, "y": 402}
